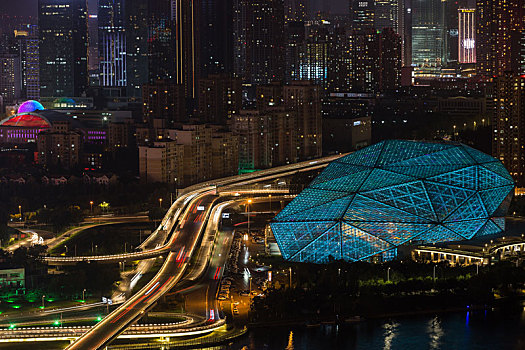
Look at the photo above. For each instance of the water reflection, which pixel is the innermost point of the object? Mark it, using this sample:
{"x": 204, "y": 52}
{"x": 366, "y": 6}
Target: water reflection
{"x": 290, "y": 342}
{"x": 435, "y": 332}
{"x": 390, "y": 332}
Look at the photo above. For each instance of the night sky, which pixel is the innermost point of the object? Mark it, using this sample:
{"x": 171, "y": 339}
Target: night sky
{"x": 29, "y": 7}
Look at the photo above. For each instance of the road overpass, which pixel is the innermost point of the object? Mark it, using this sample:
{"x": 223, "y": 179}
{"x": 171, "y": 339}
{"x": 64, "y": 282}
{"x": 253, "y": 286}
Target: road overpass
{"x": 181, "y": 247}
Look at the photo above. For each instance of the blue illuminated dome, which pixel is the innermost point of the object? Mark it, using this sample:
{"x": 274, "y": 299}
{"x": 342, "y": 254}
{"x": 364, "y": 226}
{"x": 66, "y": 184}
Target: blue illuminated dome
{"x": 370, "y": 202}
{"x": 30, "y": 106}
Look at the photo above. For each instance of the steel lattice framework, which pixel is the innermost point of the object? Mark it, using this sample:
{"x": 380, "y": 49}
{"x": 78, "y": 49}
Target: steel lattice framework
{"x": 376, "y": 199}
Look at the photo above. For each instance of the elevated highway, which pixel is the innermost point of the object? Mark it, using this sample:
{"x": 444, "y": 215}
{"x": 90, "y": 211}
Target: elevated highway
{"x": 184, "y": 224}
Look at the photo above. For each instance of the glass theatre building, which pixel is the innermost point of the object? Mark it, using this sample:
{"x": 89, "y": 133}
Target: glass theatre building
{"x": 370, "y": 202}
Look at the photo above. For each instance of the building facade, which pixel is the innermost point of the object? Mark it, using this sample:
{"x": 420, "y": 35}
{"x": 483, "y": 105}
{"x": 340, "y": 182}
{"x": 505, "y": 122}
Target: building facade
{"x": 63, "y": 47}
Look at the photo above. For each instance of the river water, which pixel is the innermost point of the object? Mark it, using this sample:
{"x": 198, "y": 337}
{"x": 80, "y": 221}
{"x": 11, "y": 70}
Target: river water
{"x": 494, "y": 330}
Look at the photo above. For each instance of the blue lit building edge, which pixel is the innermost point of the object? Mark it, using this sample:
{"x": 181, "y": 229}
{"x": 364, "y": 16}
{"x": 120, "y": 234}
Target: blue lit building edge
{"x": 370, "y": 202}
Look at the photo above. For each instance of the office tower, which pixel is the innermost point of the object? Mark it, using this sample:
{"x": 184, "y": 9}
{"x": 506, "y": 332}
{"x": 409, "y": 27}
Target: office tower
{"x": 150, "y": 43}
{"x": 386, "y": 14}
{"x": 94, "y": 52}
{"x": 29, "y": 61}
{"x": 264, "y": 28}
{"x": 405, "y": 31}
{"x": 63, "y": 47}
{"x": 163, "y": 101}
{"x": 10, "y": 77}
{"x": 187, "y": 43}
{"x": 499, "y": 24}
{"x": 220, "y": 98}
{"x": 295, "y": 11}
{"x": 137, "y": 65}
{"x": 216, "y": 37}
{"x": 161, "y": 40}
{"x": 295, "y": 38}
{"x": 508, "y": 124}
{"x": 362, "y": 14}
{"x": 429, "y": 39}
{"x": 467, "y": 36}
{"x": 112, "y": 43}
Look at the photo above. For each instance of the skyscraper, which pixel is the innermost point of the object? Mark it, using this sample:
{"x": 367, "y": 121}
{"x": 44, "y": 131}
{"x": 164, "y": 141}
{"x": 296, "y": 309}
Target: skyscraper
{"x": 508, "y": 124}
{"x": 112, "y": 43}
{"x": 29, "y": 61}
{"x": 63, "y": 47}
{"x": 429, "y": 39}
{"x": 362, "y": 14}
{"x": 216, "y": 37}
{"x": 467, "y": 36}
{"x": 386, "y": 14}
{"x": 264, "y": 28}
{"x": 150, "y": 43}
{"x": 314, "y": 56}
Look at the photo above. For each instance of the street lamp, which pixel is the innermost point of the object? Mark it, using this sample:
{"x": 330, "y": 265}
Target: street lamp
{"x": 388, "y": 275}
{"x": 66, "y": 248}
{"x": 43, "y": 298}
{"x": 84, "y": 295}
{"x": 20, "y": 211}
{"x": 91, "y": 204}
{"x": 160, "y": 202}
{"x": 270, "y": 196}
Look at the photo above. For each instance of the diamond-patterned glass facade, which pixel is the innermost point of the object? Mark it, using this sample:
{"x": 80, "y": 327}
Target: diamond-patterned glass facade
{"x": 373, "y": 200}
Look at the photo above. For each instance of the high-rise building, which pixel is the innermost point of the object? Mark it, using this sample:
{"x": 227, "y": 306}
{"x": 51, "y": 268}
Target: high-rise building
{"x": 220, "y": 98}
{"x": 150, "y": 43}
{"x": 500, "y": 24}
{"x": 362, "y": 14}
{"x": 340, "y": 62}
{"x": 390, "y": 59}
{"x": 137, "y": 65}
{"x": 429, "y": 37}
{"x": 295, "y": 10}
{"x": 216, "y": 37}
{"x": 186, "y": 19}
{"x": 266, "y": 138}
{"x": 467, "y": 36}
{"x": 386, "y": 14}
{"x": 314, "y": 56}
{"x": 508, "y": 124}
{"x": 163, "y": 100}
{"x": 161, "y": 162}
{"x": 10, "y": 77}
{"x": 63, "y": 47}
{"x": 112, "y": 43}
{"x": 365, "y": 61}
{"x": 264, "y": 26}
{"x": 304, "y": 99}
{"x": 94, "y": 52}
{"x": 239, "y": 37}
{"x": 295, "y": 37}
{"x": 29, "y": 61}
